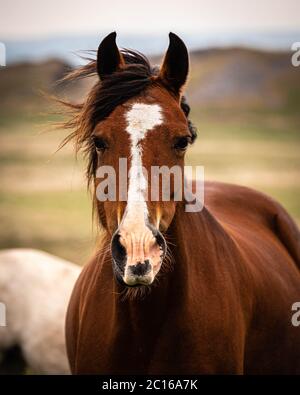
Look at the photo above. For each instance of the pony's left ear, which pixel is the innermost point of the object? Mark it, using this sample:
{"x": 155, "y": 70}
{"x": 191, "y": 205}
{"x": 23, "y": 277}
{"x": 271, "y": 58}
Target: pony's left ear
{"x": 175, "y": 67}
{"x": 109, "y": 58}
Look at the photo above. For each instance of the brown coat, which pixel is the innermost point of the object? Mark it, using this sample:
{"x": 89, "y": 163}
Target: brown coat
{"x": 224, "y": 308}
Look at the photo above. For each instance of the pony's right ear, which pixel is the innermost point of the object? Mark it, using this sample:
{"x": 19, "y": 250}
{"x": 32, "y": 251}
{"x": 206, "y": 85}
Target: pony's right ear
{"x": 175, "y": 67}
{"x": 109, "y": 58}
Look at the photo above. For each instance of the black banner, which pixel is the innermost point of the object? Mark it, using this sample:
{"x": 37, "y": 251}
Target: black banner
{"x": 135, "y": 384}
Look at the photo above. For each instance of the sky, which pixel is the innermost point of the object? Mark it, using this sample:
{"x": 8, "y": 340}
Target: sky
{"x": 29, "y": 19}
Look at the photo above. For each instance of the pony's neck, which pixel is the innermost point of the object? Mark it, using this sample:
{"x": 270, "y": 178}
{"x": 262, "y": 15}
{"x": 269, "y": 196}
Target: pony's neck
{"x": 194, "y": 237}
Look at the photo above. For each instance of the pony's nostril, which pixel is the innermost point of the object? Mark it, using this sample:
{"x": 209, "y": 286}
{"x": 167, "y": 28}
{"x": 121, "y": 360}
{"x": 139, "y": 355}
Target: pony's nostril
{"x": 159, "y": 239}
{"x": 118, "y": 251}
{"x": 161, "y": 242}
{"x": 140, "y": 269}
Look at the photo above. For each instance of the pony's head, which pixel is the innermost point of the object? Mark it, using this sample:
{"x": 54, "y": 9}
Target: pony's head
{"x": 137, "y": 113}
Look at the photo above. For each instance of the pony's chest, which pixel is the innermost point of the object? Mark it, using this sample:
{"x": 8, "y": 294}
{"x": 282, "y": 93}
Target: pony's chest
{"x": 171, "y": 349}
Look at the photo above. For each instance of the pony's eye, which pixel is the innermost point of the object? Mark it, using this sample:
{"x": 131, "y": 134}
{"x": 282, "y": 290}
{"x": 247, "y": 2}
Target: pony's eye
{"x": 182, "y": 143}
{"x": 100, "y": 144}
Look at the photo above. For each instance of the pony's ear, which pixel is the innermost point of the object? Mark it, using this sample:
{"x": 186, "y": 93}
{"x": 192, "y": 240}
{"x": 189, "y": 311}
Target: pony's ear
{"x": 175, "y": 67}
{"x": 109, "y": 58}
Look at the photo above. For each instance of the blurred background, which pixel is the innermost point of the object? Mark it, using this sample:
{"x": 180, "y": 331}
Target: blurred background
{"x": 243, "y": 90}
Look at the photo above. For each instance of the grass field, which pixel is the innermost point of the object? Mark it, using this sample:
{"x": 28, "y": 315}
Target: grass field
{"x": 44, "y": 203}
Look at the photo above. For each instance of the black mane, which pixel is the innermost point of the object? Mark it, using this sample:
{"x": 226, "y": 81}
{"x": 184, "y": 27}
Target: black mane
{"x": 106, "y": 95}
{"x": 122, "y": 85}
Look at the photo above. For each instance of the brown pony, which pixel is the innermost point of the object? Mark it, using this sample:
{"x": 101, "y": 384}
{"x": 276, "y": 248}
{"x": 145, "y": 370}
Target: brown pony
{"x": 171, "y": 291}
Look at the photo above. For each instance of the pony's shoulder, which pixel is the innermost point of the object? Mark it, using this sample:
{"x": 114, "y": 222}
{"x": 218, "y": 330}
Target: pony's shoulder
{"x": 246, "y": 207}
{"x": 224, "y": 194}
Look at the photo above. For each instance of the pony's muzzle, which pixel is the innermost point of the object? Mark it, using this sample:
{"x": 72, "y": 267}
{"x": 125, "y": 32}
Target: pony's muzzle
{"x": 137, "y": 258}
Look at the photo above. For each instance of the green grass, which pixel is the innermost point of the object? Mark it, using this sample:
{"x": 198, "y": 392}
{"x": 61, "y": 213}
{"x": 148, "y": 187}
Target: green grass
{"x": 56, "y": 221}
{"x": 43, "y": 198}
{"x": 44, "y": 202}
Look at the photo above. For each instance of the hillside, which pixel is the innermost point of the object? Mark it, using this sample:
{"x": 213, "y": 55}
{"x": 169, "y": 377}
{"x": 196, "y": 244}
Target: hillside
{"x": 233, "y": 78}
{"x": 243, "y": 78}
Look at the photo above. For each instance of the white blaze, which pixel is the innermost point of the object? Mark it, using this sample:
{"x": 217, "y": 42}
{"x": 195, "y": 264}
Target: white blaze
{"x": 141, "y": 118}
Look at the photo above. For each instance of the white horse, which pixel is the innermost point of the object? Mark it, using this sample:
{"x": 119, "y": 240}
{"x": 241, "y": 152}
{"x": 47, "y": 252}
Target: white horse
{"x": 35, "y": 288}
